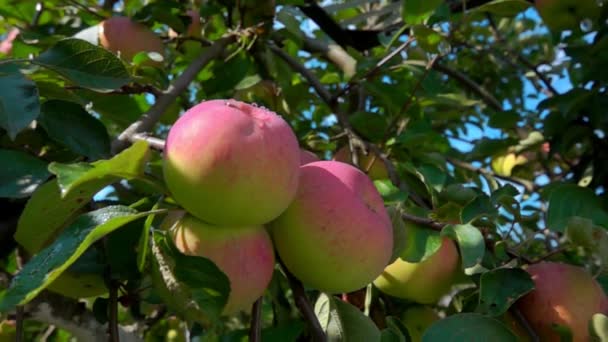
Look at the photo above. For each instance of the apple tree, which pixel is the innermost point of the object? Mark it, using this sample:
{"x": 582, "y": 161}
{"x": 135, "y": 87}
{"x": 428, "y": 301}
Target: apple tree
{"x": 298, "y": 170}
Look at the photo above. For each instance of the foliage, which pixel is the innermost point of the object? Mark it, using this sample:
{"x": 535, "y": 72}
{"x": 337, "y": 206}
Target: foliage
{"x": 492, "y": 128}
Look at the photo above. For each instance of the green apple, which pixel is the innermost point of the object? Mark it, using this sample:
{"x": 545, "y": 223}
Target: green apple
{"x": 424, "y": 282}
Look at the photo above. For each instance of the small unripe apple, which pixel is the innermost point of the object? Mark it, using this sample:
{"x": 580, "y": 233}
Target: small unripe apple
{"x": 127, "y": 38}
{"x": 336, "y": 235}
{"x": 424, "y": 282}
{"x": 307, "y": 157}
{"x": 370, "y": 164}
{"x": 244, "y": 254}
{"x": 231, "y": 163}
{"x": 564, "y": 295}
{"x": 561, "y": 15}
{"x": 417, "y": 319}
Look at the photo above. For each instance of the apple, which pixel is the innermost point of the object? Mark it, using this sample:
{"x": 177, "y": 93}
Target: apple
{"x": 561, "y": 15}
{"x": 127, "y": 38}
{"x": 231, "y": 163}
{"x": 424, "y": 282}
{"x": 245, "y": 254}
{"x": 370, "y": 164}
{"x": 336, "y": 235}
{"x": 417, "y": 319}
{"x": 564, "y": 295}
{"x": 307, "y": 157}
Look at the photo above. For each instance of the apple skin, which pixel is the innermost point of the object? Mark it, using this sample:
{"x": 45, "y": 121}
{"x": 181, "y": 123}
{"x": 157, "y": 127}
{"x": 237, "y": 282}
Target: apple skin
{"x": 374, "y": 167}
{"x": 127, "y": 38}
{"x": 417, "y": 319}
{"x": 564, "y": 294}
{"x": 231, "y": 163}
{"x": 423, "y": 282}
{"x": 307, "y": 157}
{"x": 245, "y": 254}
{"x": 561, "y": 15}
{"x": 336, "y": 235}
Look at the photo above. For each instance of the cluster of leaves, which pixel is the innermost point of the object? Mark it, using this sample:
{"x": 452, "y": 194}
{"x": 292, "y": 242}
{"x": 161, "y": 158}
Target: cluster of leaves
{"x": 494, "y": 128}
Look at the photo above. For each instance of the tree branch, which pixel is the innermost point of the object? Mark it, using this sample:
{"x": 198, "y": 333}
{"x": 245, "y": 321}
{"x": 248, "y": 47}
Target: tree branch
{"x": 333, "y": 53}
{"x": 255, "y": 330}
{"x": 528, "y": 185}
{"x": 307, "y": 311}
{"x": 149, "y": 119}
{"x": 430, "y": 223}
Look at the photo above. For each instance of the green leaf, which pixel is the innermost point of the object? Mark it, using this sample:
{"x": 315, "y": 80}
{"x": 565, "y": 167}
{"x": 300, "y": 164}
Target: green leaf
{"x": 371, "y": 125}
{"x": 19, "y": 103}
{"x": 504, "y": 8}
{"x": 417, "y": 11}
{"x": 399, "y": 232}
{"x": 570, "y": 200}
{"x": 193, "y": 286}
{"x": 470, "y": 241}
{"x": 389, "y": 192}
{"x": 50, "y": 207}
{"x": 500, "y": 288}
{"x": 598, "y": 326}
{"x": 85, "y": 64}
{"x": 428, "y": 39}
{"x": 47, "y": 265}
{"x": 20, "y": 174}
{"x": 480, "y": 207}
{"x": 468, "y": 327}
{"x": 128, "y": 164}
{"x": 421, "y": 243}
{"x": 344, "y": 322}
{"x": 70, "y": 125}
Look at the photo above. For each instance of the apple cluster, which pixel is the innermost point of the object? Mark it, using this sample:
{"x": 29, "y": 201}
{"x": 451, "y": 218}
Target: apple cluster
{"x": 248, "y": 189}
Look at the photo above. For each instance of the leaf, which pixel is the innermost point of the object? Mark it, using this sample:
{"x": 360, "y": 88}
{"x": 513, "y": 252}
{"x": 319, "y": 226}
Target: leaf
{"x": 470, "y": 242}
{"x": 500, "y": 288}
{"x": 417, "y": 11}
{"x": 480, "y": 207}
{"x": 399, "y": 232}
{"x": 46, "y": 266}
{"x": 598, "y": 326}
{"x": 389, "y": 192}
{"x": 70, "y": 125}
{"x": 49, "y": 208}
{"x": 421, "y": 243}
{"x": 504, "y": 8}
{"x": 85, "y": 64}
{"x": 343, "y": 322}
{"x": 20, "y": 174}
{"x": 569, "y": 200}
{"x": 193, "y": 286}
{"x": 128, "y": 164}
{"x": 19, "y": 103}
{"x": 428, "y": 39}
{"x": 468, "y": 327}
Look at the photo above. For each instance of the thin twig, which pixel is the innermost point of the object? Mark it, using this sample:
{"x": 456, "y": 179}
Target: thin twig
{"x": 19, "y": 333}
{"x": 155, "y": 143}
{"x": 519, "y": 317}
{"x": 113, "y": 312}
{"x": 438, "y": 226}
{"x": 87, "y": 9}
{"x": 306, "y": 309}
{"x": 528, "y": 185}
{"x": 255, "y": 329}
{"x": 149, "y": 119}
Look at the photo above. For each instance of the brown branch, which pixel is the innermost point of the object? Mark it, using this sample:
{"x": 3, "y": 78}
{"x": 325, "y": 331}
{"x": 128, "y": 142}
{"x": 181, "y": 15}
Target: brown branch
{"x": 427, "y": 222}
{"x": 528, "y": 185}
{"x": 113, "y": 312}
{"x": 255, "y": 330}
{"x": 306, "y": 309}
{"x": 149, "y": 119}
{"x": 19, "y": 325}
{"x": 519, "y": 317}
{"x": 333, "y": 53}
{"x": 155, "y": 143}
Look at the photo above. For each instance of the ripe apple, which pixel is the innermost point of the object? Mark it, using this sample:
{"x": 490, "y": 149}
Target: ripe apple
{"x": 370, "y": 164}
{"x": 424, "y": 282}
{"x": 561, "y": 15}
{"x": 564, "y": 295}
{"x": 336, "y": 235}
{"x": 231, "y": 163}
{"x": 417, "y": 319}
{"x": 307, "y": 157}
{"x": 127, "y": 38}
{"x": 244, "y": 254}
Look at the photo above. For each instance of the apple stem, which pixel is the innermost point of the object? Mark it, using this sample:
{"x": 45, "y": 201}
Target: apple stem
{"x": 255, "y": 330}
{"x": 306, "y": 309}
